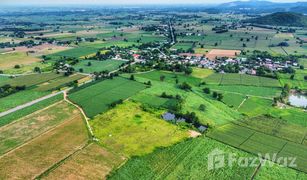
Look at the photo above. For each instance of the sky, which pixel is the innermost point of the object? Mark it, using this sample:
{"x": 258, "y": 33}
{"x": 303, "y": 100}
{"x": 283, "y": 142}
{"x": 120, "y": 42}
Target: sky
{"x": 120, "y": 2}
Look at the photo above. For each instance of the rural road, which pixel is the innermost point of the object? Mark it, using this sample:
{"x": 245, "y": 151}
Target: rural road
{"x": 29, "y": 104}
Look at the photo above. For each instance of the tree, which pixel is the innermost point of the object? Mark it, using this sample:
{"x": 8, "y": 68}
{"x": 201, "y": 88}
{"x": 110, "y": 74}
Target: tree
{"x": 17, "y": 66}
{"x": 185, "y": 86}
{"x": 305, "y": 77}
{"x": 214, "y": 95}
{"x": 219, "y": 97}
{"x": 89, "y": 64}
{"x": 162, "y": 77}
{"x": 206, "y": 90}
{"x": 132, "y": 77}
{"x": 37, "y": 69}
{"x": 188, "y": 71}
{"x": 81, "y": 70}
{"x": 202, "y": 107}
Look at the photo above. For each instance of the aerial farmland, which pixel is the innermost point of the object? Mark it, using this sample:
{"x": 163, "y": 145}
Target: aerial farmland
{"x": 141, "y": 92}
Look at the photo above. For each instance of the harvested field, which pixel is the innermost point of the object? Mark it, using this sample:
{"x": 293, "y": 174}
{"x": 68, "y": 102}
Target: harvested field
{"x": 89, "y": 163}
{"x": 40, "y": 154}
{"x": 9, "y": 60}
{"x": 211, "y": 55}
{"x": 24, "y": 129}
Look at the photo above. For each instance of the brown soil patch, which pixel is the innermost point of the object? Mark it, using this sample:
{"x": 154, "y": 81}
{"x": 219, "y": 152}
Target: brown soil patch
{"x": 90, "y": 163}
{"x": 211, "y": 55}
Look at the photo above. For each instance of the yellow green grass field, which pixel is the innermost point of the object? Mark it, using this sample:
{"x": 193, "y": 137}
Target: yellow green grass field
{"x": 9, "y": 60}
{"x": 129, "y": 130}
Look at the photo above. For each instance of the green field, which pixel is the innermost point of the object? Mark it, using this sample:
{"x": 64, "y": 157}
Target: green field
{"x": 28, "y": 110}
{"x": 59, "y": 82}
{"x": 97, "y": 98}
{"x": 216, "y": 112}
{"x": 265, "y": 92}
{"x": 31, "y": 80}
{"x": 185, "y": 160}
{"x": 19, "y": 98}
{"x": 297, "y": 81}
{"x": 170, "y": 77}
{"x": 241, "y": 79}
{"x": 98, "y": 66}
{"x": 257, "y": 142}
{"x": 131, "y": 131}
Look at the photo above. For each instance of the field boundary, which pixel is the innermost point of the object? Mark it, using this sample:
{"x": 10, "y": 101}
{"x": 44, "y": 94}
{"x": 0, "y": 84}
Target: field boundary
{"x": 34, "y": 138}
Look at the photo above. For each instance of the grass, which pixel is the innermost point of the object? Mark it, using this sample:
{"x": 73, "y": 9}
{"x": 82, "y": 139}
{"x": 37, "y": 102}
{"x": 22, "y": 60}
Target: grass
{"x": 15, "y": 134}
{"x": 9, "y": 60}
{"x": 170, "y": 77}
{"x": 233, "y": 100}
{"x": 254, "y": 106}
{"x": 266, "y": 92}
{"x": 29, "y": 68}
{"x": 241, "y": 79}
{"x": 31, "y": 80}
{"x": 97, "y": 98}
{"x": 59, "y": 82}
{"x": 4, "y": 120}
{"x": 36, "y": 156}
{"x": 154, "y": 101}
{"x": 279, "y": 172}
{"x": 215, "y": 113}
{"x": 90, "y": 163}
{"x": 186, "y": 160}
{"x": 19, "y": 98}
{"x": 98, "y": 66}
{"x": 297, "y": 81}
{"x": 201, "y": 73}
{"x": 131, "y": 131}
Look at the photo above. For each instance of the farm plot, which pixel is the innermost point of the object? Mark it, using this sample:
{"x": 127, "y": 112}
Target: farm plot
{"x": 215, "y": 113}
{"x": 98, "y": 66}
{"x": 89, "y": 163}
{"x": 59, "y": 82}
{"x": 9, "y": 60}
{"x": 241, "y": 79}
{"x": 183, "y": 46}
{"x": 297, "y": 81}
{"x": 75, "y": 52}
{"x": 233, "y": 100}
{"x": 154, "y": 101}
{"x": 201, "y": 73}
{"x": 217, "y": 53}
{"x": 169, "y": 77}
{"x": 24, "y": 129}
{"x": 265, "y": 92}
{"x": 31, "y": 80}
{"x": 38, "y": 155}
{"x": 187, "y": 160}
{"x": 279, "y": 172}
{"x": 4, "y": 120}
{"x": 257, "y": 142}
{"x": 19, "y": 98}
{"x": 97, "y": 98}
{"x": 129, "y": 130}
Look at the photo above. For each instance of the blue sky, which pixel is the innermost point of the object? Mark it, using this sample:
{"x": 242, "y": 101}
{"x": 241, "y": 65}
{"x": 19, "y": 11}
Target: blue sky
{"x": 42, "y": 2}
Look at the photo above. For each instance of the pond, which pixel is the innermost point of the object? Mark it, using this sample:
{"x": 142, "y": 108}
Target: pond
{"x": 298, "y": 100}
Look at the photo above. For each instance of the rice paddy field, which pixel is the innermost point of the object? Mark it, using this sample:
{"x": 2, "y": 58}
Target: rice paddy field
{"x": 97, "y": 98}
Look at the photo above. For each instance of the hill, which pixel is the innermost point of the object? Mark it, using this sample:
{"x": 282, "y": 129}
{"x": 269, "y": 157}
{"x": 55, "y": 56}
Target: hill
{"x": 281, "y": 19}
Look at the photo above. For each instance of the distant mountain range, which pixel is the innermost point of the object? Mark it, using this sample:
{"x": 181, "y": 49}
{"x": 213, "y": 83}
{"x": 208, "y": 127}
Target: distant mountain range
{"x": 260, "y": 6}
{"x": 281, "y": 19}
